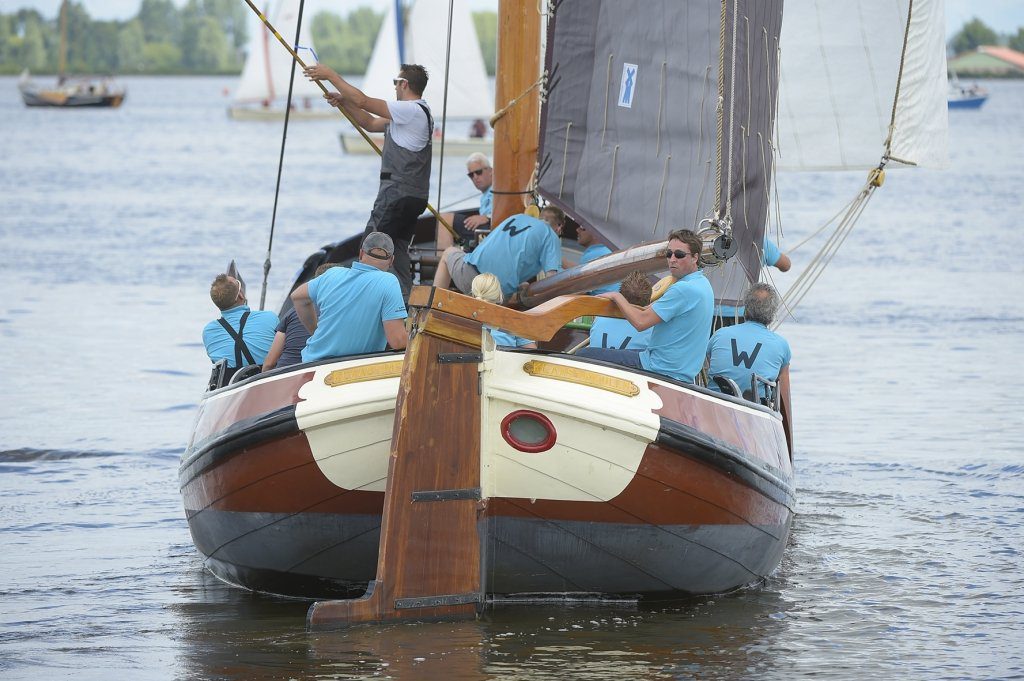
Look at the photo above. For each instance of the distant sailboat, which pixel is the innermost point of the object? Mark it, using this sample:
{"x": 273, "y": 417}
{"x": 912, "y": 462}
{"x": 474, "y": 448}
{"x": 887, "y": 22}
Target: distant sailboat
{"x": 81, "y": 92}
{"x": 421, "y": 40}
{"x": 965, "y": 96}
{"x": 263, "y": 87}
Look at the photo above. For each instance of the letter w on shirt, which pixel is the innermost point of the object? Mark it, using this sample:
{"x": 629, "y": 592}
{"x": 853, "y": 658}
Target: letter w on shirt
{"x": 742, "y": 357}
{"x": 513, "y": 230}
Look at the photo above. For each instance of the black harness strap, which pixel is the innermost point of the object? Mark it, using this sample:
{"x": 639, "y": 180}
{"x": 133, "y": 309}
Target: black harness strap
{"x": 240, "y": 347}
{"x": 430, "y": 122}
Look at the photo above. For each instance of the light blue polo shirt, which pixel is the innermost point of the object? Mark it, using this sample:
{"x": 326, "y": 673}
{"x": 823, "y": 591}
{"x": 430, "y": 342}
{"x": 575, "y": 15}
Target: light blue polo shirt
{"x": 506, "y": 339}
{"x": 593, "y": 252}
{"x": 769, "y": 257}
{"x": 487, "y": 202}
{"x": 258, "y": 334}
{"x": 353, "y": 302}
{"x": 611, "y": 332}
{"x": 517, "y": 250}
{"x": 742, "y": 350}
{"x": 679, "y": 343}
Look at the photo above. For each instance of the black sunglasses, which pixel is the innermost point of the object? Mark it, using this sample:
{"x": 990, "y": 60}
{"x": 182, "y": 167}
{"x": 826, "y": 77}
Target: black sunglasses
{"x": 679, "y": 254}
{"x": 473, "y": 173}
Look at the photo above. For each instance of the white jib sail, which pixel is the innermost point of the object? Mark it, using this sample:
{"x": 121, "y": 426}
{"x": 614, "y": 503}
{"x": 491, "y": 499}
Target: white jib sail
{"x": 839, "y": 68}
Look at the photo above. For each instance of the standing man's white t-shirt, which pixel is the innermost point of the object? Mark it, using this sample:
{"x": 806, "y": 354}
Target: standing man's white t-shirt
{"x": 409, "y": 128}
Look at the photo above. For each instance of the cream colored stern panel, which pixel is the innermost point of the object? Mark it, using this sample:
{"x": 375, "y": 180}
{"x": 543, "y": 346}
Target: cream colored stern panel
{"x": 349, "y": 426}
{"x": 601, "y": 435}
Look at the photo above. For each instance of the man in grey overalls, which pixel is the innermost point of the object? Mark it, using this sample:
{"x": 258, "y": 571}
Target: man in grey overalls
{"x": 405, "y": 164}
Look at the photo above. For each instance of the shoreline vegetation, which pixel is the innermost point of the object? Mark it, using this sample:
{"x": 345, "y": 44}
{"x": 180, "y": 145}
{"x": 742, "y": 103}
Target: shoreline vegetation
{"x": 209, "y": 37}
{"x": 203, "y": 37}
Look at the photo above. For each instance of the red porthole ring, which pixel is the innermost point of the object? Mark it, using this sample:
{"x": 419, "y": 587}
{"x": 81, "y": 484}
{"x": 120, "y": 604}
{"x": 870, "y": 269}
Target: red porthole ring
{"x": 528, "y": 431}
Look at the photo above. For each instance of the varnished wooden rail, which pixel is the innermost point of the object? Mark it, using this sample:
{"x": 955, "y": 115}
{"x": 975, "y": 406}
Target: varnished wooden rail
{"x": 540, "y": 323}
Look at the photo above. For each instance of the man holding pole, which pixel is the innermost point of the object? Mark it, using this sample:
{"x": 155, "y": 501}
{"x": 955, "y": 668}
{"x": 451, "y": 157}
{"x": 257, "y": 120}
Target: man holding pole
{"x": 405, "y": 162}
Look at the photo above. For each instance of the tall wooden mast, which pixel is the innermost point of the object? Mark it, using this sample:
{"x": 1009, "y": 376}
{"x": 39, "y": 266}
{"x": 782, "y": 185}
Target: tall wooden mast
{"x": 63, "y": 54}
{"x": 517, "y": 101}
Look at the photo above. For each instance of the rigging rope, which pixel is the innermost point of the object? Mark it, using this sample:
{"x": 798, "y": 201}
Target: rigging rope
{"x": 444, "y": 107}
{"x": 280, "y": 161}
{"x": 500, "y": 113}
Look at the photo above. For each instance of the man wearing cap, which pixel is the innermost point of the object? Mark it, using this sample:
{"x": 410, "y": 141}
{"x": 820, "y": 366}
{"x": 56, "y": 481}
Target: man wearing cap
{"x": 515, "y": 251}
{"x": 241, "y": 336}
{"x": 360, "y": 307}
{"x": 405, "y": 159}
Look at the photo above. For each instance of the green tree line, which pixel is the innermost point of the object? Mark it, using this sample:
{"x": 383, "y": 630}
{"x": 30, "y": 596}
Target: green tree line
{"x": 202, "y": 37}
{"x": 976, "y": 33}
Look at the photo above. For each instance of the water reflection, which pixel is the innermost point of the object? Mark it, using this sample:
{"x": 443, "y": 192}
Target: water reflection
{"x": 228, "y": 634}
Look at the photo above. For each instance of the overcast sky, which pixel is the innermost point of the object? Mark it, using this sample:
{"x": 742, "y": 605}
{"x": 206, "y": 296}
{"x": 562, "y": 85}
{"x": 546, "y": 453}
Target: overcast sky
{"x": 1005, "y": 16}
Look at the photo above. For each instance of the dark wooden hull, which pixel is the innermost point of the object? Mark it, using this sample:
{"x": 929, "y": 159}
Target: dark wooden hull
{"x": 57, "y": 99}
{"x": 705, "y": 506}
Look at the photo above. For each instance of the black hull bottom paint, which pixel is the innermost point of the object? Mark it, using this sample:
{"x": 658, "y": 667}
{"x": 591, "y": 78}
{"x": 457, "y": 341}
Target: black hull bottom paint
{"x": 318, "y": 555}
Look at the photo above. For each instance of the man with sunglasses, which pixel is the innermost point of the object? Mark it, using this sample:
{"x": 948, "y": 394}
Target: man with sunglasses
{"x": 480, "y": 173}
{"x": 241, "y": 336}
{"x": 680, "y": 319}
{"x": 405, "y": 160}
{"x": 360, "y": 307}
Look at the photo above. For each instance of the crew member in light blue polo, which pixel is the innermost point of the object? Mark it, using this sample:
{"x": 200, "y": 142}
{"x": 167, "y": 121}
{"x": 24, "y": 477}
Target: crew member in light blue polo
{"x": 241, "y": 336}
{"x": 681, "y": 318}
{"x": 517, "y": 250}
{"x": 742, "y": 350}
{"x": 771, "y": 256}
{"x": 612, "y": 332}
{"x": 480, "y": 173}
{"x": 360, "y": 307}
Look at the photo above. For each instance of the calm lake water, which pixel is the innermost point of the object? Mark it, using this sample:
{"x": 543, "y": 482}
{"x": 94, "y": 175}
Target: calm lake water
{"x": 905, "y": 559}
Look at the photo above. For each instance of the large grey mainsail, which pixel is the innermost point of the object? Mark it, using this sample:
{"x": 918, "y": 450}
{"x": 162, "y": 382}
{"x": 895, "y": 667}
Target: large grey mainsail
{"x": 641, "y": 118}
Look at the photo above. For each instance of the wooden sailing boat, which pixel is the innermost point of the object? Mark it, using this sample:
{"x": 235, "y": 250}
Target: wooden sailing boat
{"x": 70, "y": 93}
{"x": 420, "y": 40}
{"x": 459, "y": 474}
{"x": 262, "y": 88}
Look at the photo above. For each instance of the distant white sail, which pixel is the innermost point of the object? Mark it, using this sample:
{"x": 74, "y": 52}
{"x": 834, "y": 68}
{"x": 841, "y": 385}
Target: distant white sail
{"x": 384, "y": 60}
{"x": 840, "y": 65}
{"x": 426, "y": 44}
{"x": 268, "y": 65}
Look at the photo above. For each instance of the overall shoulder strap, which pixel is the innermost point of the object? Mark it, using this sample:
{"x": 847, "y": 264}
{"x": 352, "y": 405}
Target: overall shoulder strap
{"x": 241, "y": 349}
{"x": 430, "y": 119}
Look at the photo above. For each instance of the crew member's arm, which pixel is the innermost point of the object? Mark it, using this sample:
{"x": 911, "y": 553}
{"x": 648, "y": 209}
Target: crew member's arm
{"x": 394, "y": 330}
{"x": 642, "y": 318}
{"x": 475, "y": 221}
{"x": 274, "y": 354}
{"x": 369, "y": 112}
{"x": 784, "y": 391}
{"x": 304, "y": 307}
{"x": 783, "y": 263}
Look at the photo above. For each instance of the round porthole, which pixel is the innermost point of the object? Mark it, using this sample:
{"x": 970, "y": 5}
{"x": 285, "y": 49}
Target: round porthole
{"x": 528, "y": 431}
